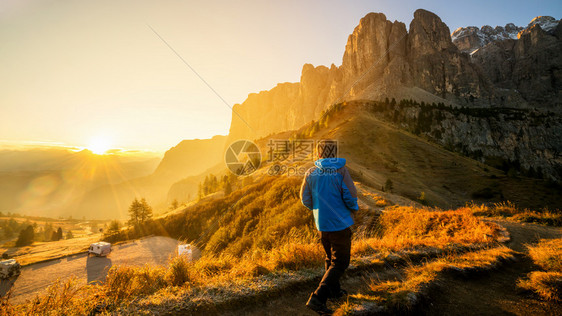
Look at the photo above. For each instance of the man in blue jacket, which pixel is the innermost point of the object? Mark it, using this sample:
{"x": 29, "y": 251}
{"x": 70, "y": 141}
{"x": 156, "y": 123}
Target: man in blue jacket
{"x": 329, "y": 192}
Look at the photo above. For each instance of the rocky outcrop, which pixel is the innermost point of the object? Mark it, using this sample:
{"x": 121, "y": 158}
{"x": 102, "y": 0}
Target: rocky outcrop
{"x": 547, "y": 23}
{"x": 530, "y": 67}
{"x": 380, "y": 58}
{"x": 371, "y": 48}
{"x": 525, "y": 140}
{"x": 266, "y": 111}
{"x": 383, "y": 59}
{"x": 436, "y": 64}
{"x": 469, "y": 39}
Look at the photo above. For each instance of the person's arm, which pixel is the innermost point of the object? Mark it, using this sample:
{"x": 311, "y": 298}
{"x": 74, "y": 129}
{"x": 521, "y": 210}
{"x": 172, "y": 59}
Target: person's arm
{"x": 306, "y": 192}
{"x": 349, "y": 192}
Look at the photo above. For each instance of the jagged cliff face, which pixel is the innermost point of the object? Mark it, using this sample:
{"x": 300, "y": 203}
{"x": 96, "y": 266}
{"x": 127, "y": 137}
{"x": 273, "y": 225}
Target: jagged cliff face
{"x": 381, "y": 58}
{"x": 530, "y": 66}
{"x": 374, "y": 45}
{"x": 527, "y": 140}
{"x": 523, "y": 64}
{"x": 479, "y": 68}
{"x": 438, "y": 66}
{"x": 468, "y": 39}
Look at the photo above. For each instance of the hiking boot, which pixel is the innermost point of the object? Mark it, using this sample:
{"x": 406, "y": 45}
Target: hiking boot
{"x": 336, "y": 296}
{"x": 315, "y": 304}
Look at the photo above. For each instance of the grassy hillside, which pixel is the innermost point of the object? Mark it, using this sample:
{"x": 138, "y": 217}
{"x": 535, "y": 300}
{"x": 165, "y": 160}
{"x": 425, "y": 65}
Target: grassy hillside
{"x": 377, "y": 151}
{"x": 258, "y": 241}
{"x": 421, "y": 173}
{"x": 257, "y": 216}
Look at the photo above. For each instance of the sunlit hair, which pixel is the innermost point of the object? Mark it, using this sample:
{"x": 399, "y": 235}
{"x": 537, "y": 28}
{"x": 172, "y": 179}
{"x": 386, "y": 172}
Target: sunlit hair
{"x": 327, "y": 149}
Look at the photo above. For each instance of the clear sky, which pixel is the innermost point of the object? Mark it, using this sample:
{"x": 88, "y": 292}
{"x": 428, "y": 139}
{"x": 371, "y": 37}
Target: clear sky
{"x": 77, "y": 72}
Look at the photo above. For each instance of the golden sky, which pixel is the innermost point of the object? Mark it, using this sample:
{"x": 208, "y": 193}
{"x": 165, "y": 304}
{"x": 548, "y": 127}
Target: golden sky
{"x": 74, "y": 72}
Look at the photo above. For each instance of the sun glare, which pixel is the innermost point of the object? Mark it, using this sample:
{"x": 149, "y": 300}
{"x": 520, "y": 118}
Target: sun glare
{"x": 99, "y": 145}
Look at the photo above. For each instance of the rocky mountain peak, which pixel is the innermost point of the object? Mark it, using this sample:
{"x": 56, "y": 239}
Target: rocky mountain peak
{"x": 547, "y": 23}
{"x": 471, "y": 38}
{"x": 428, "y": 32}
{"x": 384, "y": 59}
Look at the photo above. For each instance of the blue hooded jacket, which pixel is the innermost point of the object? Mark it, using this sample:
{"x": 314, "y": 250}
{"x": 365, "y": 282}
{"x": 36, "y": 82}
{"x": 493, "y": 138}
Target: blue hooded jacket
{"x": 329, "y": 192}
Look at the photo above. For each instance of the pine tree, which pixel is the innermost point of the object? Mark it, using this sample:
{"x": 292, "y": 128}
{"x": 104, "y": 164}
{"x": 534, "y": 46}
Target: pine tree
{"x": 114, "y": 226}
{"x": 388, "y": 185}
{"x": 215, "y": 183}
{"x": 145, "y": 211}
{"x": 25, "y": 237}
{"x": 206, "y": 185}
{"x": 56, "y": 235}
{"x": 47, "y": 231}
{"x": 134, "y": 211}
{"x": 227, "y": 188}
{"x": 139, "y": 212}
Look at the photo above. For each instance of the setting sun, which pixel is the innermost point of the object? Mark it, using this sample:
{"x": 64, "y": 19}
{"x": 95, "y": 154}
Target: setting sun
{"x": 99, "y": 145}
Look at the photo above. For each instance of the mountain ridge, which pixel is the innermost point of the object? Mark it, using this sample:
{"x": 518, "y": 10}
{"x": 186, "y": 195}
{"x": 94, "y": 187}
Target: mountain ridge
{"x": 470, "y": 38}
{"x": 380, "y": 58}
{"x": 384, "y": 60}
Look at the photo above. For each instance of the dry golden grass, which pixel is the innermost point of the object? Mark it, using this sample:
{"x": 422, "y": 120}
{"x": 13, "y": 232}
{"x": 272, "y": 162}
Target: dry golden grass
{"x": 404, "y": 293}
{"x": 62, "y": 298}
{"x": 508, "y": 209}
{"x": 547, "y": 285}
{"x": 406, "y": 227}
{"x": 346, "y": 309}
{"x": 125, "y": 282}
{"x": 547, "y": 254}
{"x": 41, "y": 251}
{"x": 377, "y": 199}
{"x": 294, "y": 257}
{"x": 544, "y": 217}
{"x": 178, "y": 271}
{"x": 401, "y": 228}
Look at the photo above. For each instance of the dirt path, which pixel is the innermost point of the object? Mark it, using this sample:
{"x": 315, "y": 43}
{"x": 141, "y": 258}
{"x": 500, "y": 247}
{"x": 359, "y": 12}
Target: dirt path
{"x": 492, "y": 294}
{"x": 497, "y": 292}
{"x": 35, "y": 278}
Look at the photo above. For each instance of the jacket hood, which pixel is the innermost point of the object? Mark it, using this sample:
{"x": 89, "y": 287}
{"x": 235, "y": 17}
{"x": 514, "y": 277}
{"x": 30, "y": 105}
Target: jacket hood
{"x": 330, "y": 163}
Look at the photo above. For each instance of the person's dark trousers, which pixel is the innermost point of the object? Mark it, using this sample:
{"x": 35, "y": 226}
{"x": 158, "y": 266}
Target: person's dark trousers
{"x": 338, "y": 251}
